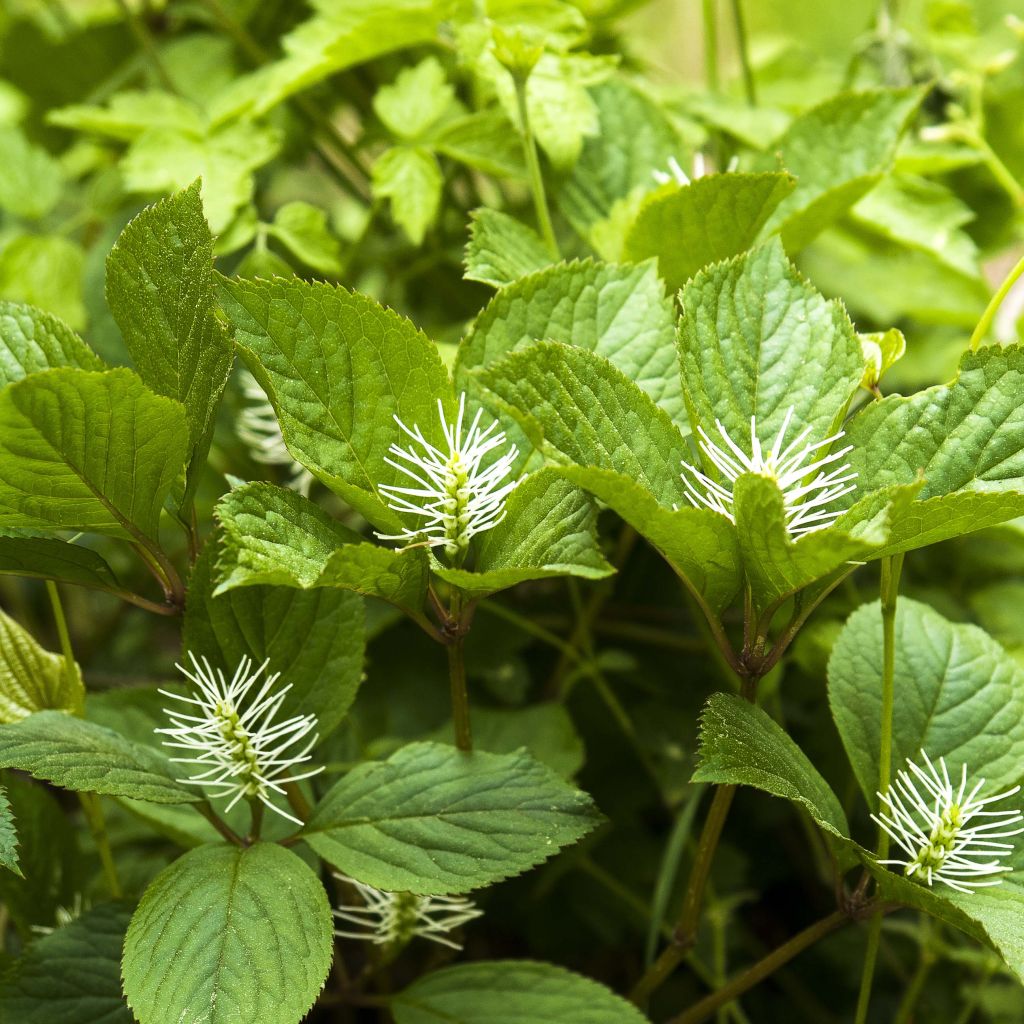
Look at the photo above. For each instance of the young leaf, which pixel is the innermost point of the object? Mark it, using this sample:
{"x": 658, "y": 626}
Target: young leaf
{"x": 30, "y": 179}
{"x": 958, "y": 695}
{"x": 88, "y": 451}
{"x": 755, "y": 340}
{"x": 502, "y": 249}
{"x": 338, "y": 368}
{"x": 25, "y": 553}
{"x": 688, "y": 227}
{"x": 314, "y": 638}
{"x": 31, "y": 340}
{"x": 512, "y": 992}
{"x": 432, "y": 819}
{"x": 302, "y": 228}
{"x": 619, "y": 312}
{"x": 8, "y": 836}
{"x": 160, "y": 291}
{"x": 45, "y": 271}
{"x": 72, "y": 975}
{"x": 33, "y": 679}
{"x": 410, "y": 177}
{"x": 228, "y": 934}
{"x": 417, "y": 98}
{"x": 85, "y": 757}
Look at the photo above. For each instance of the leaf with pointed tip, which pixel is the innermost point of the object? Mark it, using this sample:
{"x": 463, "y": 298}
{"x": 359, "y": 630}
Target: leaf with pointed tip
{"x": 433, "y": 819}
{"x": 31, "y": 340}
{"x": 502, "y": 249}
{"x": 756, "y": 340}
{"x": 229, "y": 934}
{"x": 88, "y": 451}
{"x": 274, "y": 536}
{"x": 549, "y": 529}
{"x": 338, "y": 368}
{"x": 160, "y": 291}
{"x": 31, "y": 678}
{"x": 687, "y": 227}
{"x": 620, "y": 312}
{"x": 8, "y": 836}
{"x": 27, "y": 553}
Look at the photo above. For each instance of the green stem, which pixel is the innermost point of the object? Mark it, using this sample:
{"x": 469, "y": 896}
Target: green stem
{"x": 256, "y": 826}
{"x": 97, "y": 825}
{"x": 889, "y": 589}
{"x": 146, "y": 42}
{"x": 993, "y": 306}
{"x": 218, "y": 823}
{"x": 540, "y": 201}
{"x": 761, "y": 970}
{"x": 906, "y": 1012}
{"x": 63, "y": 635}
{"x": 457, "y": 674}
{"x": 297, "y": 800}
{"x": 1003, "y": 175}
{"x": 711, "y": 45}
{"x": 749, "y": 88}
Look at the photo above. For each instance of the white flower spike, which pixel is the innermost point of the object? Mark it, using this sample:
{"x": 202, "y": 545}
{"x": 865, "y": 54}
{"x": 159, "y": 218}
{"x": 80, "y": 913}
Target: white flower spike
{"x": 455, "y": 495}
{"x": 395, "y": 918}
{"x": 803, "y": 499}
{"x": 241, "y": 750}
{"x": 259, "y": 430}
{"x": 929, "y": 818}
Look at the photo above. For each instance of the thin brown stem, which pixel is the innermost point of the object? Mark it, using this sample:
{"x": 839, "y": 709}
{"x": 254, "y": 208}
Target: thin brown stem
{"x": 457, "y": 673}
{"x": 219, "y": 824}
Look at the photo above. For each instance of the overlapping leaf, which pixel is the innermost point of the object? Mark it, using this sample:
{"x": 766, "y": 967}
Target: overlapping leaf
{"x": 31, "y": 340}
{"x": 31, "y": 678}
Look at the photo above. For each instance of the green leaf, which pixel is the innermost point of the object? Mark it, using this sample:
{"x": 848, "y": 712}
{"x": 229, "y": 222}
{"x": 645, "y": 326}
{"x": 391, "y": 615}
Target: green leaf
{"x": 510, "y": 992}
{"x": 756, "y": 340}
{"x": 25, "y": 553}
{"x": 958, "y": 695}
{"x": 88, "y": 451}
{"x": 227, "y": 934}
{"x": 31, "y": 340}
{"x": 129, "y": 114}
{"x": 338, "y": 368}
{"x": 485, "y": 140}
{"x": 31, "y": 678}
{"x": 315, "y": 639}
{"x": 741, "y": 745}
{"x": 838, "y": 151}
{"x": 620, "y": 312}
{"x": 8, "y": 836}
{"x": 688, "y": 227}
{"x": 88, "y": 758}
{"x": 160, "y": 292}
{"x": 275, "y": 537}
{"x": 30, "y": 179}
{"x": 417, "y": 98}
{"x": 549, "y": 529}
{"x": 502, "y": 249}
{"x": 45, "y": 271}
{"x": 409, "y": 176}
{"x": 965, "y": 438}
{"x": 72, "y": 975}
{"x": 302, "y": 228}
{"x": 432, "y": 819}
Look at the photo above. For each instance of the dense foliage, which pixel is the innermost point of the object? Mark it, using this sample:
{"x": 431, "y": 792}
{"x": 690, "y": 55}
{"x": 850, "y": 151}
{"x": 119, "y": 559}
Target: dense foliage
{"x": 573, "y": 453}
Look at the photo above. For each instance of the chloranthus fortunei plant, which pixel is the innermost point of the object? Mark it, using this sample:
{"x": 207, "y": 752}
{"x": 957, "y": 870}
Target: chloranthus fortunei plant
{"x": 511, "y": 511}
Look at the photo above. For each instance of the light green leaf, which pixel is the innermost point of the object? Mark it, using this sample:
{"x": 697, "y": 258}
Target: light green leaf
{"x": 417, "y": 98}
{"x": 409, "y": 176}
{"x": 338, "y": 368}
{"x": 510, "y": 992}
{"x": 275, "y": 537}
{"x": 129, "y": 114}
{"x": 958, "y": 695}
{"x": 227, "y": 935}
{"x": 31, "y": 340}
{"x": 432, "y": 819}
{"x": 687, "y": 227}
{"x": 620, "y": 312}
{"x": 315, "y": 639}
{"x": 8, "y": 836}
{"x": 45, "y": 271}
{"x": 882, "y": 350}
{"x": 302, "y": 228}
{"x": 25, "y": 553}
{"x": 160, "y": 292}
{"x": 741, "y": 745}
{"x": 838, "y": 151}
{"x": 88, "y": 451}
{"x": 549, "y": 529}
{"x": 30, "y": 179}
{"x": 85, "y": 757}
{"x": 756, "y": 340}
{"x": 485, "y": 140}
{"x": 502, "y": 249}
{"x": 31, "y": 678}
{"x": 72, "y": 975}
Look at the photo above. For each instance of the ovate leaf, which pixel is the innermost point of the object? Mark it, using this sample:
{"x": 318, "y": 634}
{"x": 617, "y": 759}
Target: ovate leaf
{"x": 502, "y": 249}
{"x": 30, "y": 179}
{"x": 432, "y": 819}
{"x": 510, "y": 992}
{"x": 31, "y": 340}
{"x": 45, "y": 271}
{"x": 26, "y": 553}
{"x": 410, "y": 177}
{"x": 88, "y": 451}
{"x": 302, "y": 228}
{"x": 8, "y": 835}
{"x": 416, "y": 99}
{"x": 31, "y": 678}
{"x": 227, "y": 935}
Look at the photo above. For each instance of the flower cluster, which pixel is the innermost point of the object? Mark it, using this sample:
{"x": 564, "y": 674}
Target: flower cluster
{"x": 393, "y": 919}
{"x": 240, "y": 749}
{"x": 930, "y": 819}
{"x": 803, "y": 499}
{"x": 456, "y": 495}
